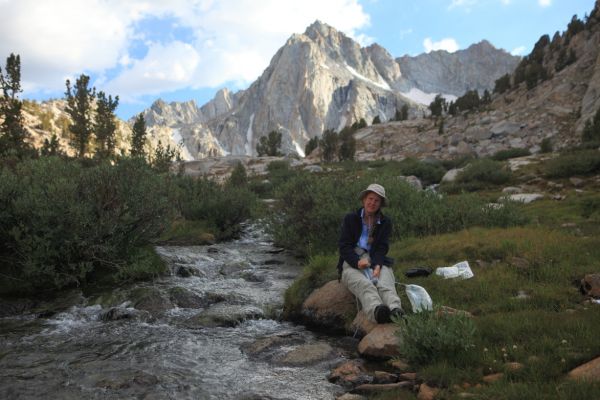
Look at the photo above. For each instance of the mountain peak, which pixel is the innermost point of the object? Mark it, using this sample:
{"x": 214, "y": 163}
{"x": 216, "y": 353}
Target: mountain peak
{"x": 319, "y": 28}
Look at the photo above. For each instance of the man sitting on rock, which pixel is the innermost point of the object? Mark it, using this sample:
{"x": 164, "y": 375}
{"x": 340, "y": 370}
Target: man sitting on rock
{"x": 363, "y": 246}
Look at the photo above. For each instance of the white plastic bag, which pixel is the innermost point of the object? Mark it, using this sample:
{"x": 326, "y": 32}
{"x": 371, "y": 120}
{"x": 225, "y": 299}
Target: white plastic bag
{"x": 461, "y": 270}
{"x": 419, "y": 298}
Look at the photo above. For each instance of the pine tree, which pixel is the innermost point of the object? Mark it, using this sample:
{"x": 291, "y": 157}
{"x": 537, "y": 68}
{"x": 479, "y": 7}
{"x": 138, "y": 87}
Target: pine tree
{"x": 238, "y": 177}
{"x": 138, "y": 137}
{"x": 404, "y": 112}
{"x": 311, "y": 145}
{"x": 12, "y": 130}
{"x": 347, "y": 147}
{"x": 164, "y": 157}
{"x": 51, "y": 147}
{"x": 269, "y": 145}
{"x": 437, "y": 105}
{"x": 79, "y": 108}
{"x": 329, "y": 144}
{"x": 376, "y": 120}
{"x": 105, "y": 125}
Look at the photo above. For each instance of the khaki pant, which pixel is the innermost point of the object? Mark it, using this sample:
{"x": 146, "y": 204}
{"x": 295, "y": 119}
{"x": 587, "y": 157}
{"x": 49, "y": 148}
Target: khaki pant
{"x": 369, "y": 295}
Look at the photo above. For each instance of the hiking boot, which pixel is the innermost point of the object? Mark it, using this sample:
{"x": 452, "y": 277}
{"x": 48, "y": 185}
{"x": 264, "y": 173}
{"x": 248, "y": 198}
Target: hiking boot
{"x": 397, "y": 314}
{"x": 382, "y": 314}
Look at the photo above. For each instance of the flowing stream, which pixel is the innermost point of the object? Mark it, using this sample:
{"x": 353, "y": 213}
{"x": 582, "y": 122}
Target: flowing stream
{"x": 208, "y": 331}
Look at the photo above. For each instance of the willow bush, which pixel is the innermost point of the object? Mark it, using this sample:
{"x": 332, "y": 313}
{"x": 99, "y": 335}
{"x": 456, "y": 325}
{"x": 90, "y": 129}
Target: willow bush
{"x": 61, "y": 222}
{"x": 311, "y": 210}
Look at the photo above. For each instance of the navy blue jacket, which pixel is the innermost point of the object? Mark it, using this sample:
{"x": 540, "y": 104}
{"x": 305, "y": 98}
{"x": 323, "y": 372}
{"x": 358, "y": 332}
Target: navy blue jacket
{"x": 351, "y": 230}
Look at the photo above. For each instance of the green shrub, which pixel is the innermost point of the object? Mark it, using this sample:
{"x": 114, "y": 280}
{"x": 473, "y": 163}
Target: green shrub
{"x": 62, "y": 223}
{"x": 312, "y": 208}
{"x": 577, "y": 163}
{"x": 510, "y": 153}
{"x": 428, "y": 173}
{"x": 434, "y": 335}
{"x": 223, "y": 208}
{"x": 479, "y": 174}
{"x": 546, "y": 146}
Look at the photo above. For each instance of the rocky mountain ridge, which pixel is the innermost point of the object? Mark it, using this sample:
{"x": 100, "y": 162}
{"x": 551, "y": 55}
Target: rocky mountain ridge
{"x": 322, "y": 79}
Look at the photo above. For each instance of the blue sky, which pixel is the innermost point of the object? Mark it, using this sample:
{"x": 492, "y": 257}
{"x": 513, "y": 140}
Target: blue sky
{"x": 182, "y": 50}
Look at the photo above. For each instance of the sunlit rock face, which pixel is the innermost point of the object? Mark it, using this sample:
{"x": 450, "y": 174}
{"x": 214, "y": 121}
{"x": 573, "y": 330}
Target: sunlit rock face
{"x": 319, "y": 80}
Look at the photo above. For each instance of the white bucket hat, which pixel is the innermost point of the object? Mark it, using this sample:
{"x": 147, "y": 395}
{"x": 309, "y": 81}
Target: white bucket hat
{"x": 378, "y": 190}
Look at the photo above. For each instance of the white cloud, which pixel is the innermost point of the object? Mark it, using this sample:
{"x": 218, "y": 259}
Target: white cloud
{"x": 519, "y": 51}
{"x": 545, "y": 3}
{"x": 232, "y": 40}
{"x": 56, "y": 39}
{"x": 164, "y": 68}
{"x": 448, "y": 44}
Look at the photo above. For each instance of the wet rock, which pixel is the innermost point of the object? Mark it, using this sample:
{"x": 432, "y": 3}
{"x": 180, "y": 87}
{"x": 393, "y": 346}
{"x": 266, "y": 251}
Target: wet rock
{"x": 251, "y": 276}
{"x": 361, "y": 325}
{"x": 151, "y": 300}
{"x": 235, "y": 267}
{"x": 212, "y": 250}
{"x": 349, "y": 374}
{"x": 382, "y": 377}
{"x": 184, "y": 298}
{"x": 264, "y": 344}
{"x": 185, "y": 271}
{"x": 307, "y": 354}
{"x": 590, "y": 285}
{"x": 370, "y": 388}
{"x": 273, "y": 262}
{"x": 63, "y": 302}
{"x": 226, "y": 315}
{"x": 329, "y": 306}
{"x": 589, "y": 371}
{"x": 382, "y": 342}
{"x": 119, "y": 313}
{"x": 139, "y": 379}
{"x": 350, "y": 396}
{"x": 15, "y": 307}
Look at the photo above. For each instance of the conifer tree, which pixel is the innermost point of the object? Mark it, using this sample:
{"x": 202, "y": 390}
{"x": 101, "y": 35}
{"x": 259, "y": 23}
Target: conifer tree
{"x": 311, "y": 145}
{"x": 79, "y": 108}
{"x": 12, "y": 130}
{"x": 404, "y": 112}
{"x": 329, "y": 144}
{"x": 376, "y": 120}
{"x": 138, "y": 137}
{"x": 105, "y": 125}
{"x": 347, "y": 147}
{"x": 269, "y": 145}
{"x": 51, "y": 147}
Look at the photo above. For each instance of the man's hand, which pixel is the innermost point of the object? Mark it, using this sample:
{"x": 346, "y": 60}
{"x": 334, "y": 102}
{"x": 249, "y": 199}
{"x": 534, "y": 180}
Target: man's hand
{"x": 363, "y": 263}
